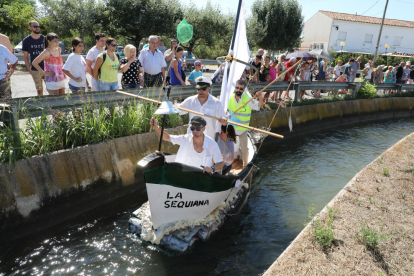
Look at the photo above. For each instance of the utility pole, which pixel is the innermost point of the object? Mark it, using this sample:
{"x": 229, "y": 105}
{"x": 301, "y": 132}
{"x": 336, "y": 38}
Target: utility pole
{"x": 379, "y": 36}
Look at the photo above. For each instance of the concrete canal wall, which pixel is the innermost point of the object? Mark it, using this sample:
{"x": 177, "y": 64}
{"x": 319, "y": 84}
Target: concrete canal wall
{"x": 43, "y": 191}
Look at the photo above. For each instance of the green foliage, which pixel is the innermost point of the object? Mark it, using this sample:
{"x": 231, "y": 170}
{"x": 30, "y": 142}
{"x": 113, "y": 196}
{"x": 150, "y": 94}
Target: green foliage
{"x": 379, "y": 160}
{"x": 322, "y": 233}
{"x": 278, "y": 24}
{"x": 370, "y": 238}
{"x": 385, "y": 172}
{"x": 210, "y": 26}
{"x": 69, "y": 18}
{"x": 16, "y": 16}
{"x": 367, "y": 91}
{"x": 89, "y": 124}
{"x": 135, "y": 19}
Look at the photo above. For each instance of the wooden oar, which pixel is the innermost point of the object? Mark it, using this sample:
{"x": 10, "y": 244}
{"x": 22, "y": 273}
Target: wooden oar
{"x": 273, "y": 81}
{"x": 205, "y": 115}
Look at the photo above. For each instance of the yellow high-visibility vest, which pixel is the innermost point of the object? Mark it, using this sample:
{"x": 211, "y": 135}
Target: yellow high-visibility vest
{"x": 243, "y": 114}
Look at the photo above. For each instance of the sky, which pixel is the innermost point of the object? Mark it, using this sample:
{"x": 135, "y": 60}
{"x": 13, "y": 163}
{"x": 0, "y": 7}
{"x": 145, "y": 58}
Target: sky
{"x": 397, "y": 9}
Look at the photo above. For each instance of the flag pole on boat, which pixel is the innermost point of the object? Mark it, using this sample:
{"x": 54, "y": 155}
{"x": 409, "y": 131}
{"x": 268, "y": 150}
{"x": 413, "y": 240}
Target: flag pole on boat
{"x": 172, "y": 109}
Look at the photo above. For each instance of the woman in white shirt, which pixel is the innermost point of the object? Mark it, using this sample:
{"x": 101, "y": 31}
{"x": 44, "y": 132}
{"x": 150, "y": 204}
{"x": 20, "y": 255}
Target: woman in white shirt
{"x": 75, "y": 67}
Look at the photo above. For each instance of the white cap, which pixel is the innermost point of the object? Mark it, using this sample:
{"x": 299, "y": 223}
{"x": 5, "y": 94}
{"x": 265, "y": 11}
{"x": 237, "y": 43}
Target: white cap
{"x": 203, "y": 79}
{"x": 293, "y": 59}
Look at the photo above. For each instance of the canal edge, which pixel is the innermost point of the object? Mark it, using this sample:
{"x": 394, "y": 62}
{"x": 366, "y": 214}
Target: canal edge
{"x": 289, "y": 254}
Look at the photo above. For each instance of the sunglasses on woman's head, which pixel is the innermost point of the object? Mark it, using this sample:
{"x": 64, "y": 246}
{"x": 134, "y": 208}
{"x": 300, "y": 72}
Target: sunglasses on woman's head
{"x": 196, "y": 128}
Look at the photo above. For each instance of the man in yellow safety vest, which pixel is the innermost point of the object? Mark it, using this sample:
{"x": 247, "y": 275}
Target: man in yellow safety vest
{"x": 242, "y": 116}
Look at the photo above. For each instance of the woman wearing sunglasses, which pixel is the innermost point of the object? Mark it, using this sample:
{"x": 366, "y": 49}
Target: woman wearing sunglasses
{"x": 106, "y": 67}
{"x": 226, "y": 141}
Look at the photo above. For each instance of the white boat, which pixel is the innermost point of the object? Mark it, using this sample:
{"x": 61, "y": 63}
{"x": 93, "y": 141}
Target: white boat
{"x": 184, "y": 204}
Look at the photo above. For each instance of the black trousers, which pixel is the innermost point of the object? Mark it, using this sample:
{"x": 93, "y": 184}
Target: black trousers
{"x": 152, "y": 80}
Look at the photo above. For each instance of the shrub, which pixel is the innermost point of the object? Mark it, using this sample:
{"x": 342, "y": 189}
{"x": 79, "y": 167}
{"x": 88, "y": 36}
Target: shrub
{"x": 370, "y": 238}
{"x": 367, "y": 91}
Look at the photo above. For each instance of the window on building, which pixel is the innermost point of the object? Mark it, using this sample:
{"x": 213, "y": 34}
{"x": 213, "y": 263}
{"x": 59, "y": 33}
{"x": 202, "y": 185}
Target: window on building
{"x": 342, "y": 36}
{"x": 368, "y": 38}
{"x": 397, "y": 41}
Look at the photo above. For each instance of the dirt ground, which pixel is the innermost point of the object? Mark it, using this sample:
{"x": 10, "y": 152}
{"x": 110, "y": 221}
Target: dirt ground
{"x": 385, "y": 202}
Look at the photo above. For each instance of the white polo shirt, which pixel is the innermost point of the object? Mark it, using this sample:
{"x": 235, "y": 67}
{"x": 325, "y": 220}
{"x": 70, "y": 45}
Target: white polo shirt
{"x": 152, "y": 62}
{"x": 212, "y": 107}
{"x": 188, "y": 156}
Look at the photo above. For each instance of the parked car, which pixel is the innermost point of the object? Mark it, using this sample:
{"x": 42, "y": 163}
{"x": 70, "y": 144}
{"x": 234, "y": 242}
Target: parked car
{"x": 19, "y": 48}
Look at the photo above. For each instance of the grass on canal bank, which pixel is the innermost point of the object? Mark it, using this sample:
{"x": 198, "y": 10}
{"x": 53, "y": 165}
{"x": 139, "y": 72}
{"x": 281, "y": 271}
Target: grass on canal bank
{"x": 373, "y": 229}
{"x": 90, "y": 124}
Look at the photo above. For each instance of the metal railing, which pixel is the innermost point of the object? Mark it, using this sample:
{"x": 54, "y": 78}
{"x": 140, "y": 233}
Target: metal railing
{"x": 11, "y": 112}
{"x": 189, "y": 61}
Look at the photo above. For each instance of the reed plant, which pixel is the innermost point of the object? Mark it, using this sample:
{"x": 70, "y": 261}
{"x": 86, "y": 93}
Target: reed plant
{"x": 88, "y": 124}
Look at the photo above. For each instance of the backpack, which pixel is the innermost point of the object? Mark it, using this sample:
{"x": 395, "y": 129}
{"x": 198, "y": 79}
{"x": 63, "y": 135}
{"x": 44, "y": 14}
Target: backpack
{"x": 104, "y": 57}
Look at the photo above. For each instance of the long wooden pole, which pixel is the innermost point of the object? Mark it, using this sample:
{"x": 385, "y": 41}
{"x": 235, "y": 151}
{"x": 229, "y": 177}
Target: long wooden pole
{"x": 273, "y": 81}
{"x": 205, "y": 115}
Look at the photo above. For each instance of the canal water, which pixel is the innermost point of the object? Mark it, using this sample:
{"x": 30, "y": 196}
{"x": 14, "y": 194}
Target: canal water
{"x": 311, "y": 168}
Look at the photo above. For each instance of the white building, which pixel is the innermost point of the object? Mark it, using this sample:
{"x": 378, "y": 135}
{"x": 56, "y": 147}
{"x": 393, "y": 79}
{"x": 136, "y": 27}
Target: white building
{"x": 360, "y": 33}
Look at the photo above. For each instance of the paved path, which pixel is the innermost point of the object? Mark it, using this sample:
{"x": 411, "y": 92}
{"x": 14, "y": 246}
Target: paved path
{"x": 22, "y": 84}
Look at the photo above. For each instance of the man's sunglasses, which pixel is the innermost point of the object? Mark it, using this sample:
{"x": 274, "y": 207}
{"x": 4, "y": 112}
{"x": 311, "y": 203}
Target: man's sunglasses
{"x": 36, "y": 27}
{"x": 196, "y": 128}
{"x": 239, "y": 88}
{"x": 202, "y": 88}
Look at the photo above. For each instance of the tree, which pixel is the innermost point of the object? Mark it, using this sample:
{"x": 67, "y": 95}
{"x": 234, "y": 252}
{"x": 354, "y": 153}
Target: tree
{"x": 67, "y": 16}
{"x": 16, "y": 16}
{"x": 135, "y": 19}
{"x": 210, "y": 26}
{"x": 280, "y": 23}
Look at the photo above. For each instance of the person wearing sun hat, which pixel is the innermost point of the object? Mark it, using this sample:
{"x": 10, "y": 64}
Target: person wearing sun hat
{"x": 205, "y": 103}
{"x": 196, "y": 72}
{"x": 196, "y": 148}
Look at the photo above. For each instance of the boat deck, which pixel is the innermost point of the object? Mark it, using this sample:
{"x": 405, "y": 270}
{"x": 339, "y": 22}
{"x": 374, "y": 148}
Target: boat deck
{"x": 237, "y": 167}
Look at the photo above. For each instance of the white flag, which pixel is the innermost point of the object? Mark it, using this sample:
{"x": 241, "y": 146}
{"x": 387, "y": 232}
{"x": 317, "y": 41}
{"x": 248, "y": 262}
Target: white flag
{"x": 241, "y": 51}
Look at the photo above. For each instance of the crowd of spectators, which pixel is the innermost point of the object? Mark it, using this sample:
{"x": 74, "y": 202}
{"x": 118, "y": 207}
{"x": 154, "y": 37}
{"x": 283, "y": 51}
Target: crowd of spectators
{"x": 152, "y": 64}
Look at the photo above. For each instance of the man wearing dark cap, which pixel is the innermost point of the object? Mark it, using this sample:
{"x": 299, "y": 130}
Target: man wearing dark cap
{"x": 196, "y": 149}
{"x": 205, "y": 103}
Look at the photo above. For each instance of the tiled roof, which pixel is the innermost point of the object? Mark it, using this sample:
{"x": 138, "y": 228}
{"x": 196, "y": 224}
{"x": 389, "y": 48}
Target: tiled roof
{"x": 367, "y": 19}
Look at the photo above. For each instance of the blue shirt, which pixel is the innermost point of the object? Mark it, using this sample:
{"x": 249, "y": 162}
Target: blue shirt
{"x": 34, "y": 47}
{"x": 195, "y": 75}
{"x": 355, "y": 66}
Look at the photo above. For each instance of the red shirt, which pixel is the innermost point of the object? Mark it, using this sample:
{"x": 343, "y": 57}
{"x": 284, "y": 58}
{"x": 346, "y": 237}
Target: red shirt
{"x": 290, "y": 73}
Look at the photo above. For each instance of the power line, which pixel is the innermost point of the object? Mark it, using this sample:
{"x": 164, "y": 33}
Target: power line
{"x": 371, "y": 7}
{"x": 378, "y": 13}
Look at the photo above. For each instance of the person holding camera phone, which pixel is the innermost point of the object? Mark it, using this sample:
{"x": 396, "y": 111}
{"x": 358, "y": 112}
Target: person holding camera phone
{"x": 169, "y": 55}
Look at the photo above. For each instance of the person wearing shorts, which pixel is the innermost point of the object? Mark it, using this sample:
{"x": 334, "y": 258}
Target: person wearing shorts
{"x": 33, "y": 45}
{"x": 75, "y": 67}
{"x": 53, "y": 64}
